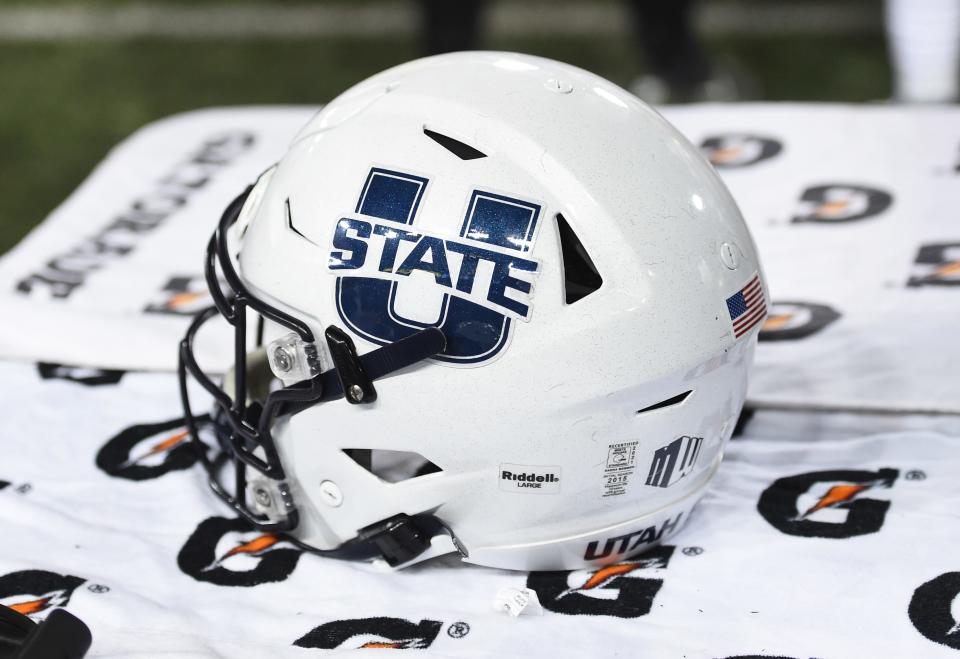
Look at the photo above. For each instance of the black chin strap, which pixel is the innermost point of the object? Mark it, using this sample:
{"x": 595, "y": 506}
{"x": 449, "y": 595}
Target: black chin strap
{"x": 397, "y": 540}
{"x": 355, "y": 374}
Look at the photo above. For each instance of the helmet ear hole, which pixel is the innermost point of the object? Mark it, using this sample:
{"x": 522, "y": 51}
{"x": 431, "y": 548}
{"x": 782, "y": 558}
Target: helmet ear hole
{"x": 392, "y": 466}
{"x": 580, "y": 275}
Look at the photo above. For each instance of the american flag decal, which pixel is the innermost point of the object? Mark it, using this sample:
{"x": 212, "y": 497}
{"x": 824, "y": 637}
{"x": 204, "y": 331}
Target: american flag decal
{"x": 747, "y": 307}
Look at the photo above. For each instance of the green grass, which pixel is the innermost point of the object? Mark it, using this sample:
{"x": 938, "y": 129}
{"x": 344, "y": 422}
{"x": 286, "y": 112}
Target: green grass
{"x": 62, "y": 106}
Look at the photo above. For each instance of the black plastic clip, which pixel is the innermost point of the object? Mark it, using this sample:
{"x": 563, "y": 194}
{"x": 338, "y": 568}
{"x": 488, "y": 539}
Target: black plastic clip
{"x": 61, "y": 636}
{"x": 356, "y": 384}
{"x": 399, "y": 538}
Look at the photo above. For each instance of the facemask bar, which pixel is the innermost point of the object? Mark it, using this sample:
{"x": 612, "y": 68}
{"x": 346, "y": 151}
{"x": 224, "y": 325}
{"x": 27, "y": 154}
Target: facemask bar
{"x": 243, "y": 427}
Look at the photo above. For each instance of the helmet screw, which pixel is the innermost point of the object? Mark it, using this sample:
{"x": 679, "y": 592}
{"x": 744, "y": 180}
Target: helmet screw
{"x": 558, "y": 86}
{"x": 282, "y": 359}
{"x": 356, "y": 393}
{"x": 262, "y": 497}
{"x": 331, "y": 494}
{"x": 729, "y": 254}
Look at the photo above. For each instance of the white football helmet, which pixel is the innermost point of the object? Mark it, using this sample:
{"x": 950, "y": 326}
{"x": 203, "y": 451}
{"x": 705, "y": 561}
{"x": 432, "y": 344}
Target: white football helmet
{"x": 538, "y": 306}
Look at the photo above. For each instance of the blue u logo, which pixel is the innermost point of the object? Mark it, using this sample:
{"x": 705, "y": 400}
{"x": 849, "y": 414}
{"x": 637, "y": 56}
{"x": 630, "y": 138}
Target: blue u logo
{"x": 475, "y": 333}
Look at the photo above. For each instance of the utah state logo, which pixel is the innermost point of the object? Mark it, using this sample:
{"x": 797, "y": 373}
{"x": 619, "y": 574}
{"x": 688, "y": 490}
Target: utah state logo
{"x": 393, "y": 280}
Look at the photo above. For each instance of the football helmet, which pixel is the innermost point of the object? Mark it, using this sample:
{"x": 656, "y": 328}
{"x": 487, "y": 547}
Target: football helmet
{"x": 486, "y": 303}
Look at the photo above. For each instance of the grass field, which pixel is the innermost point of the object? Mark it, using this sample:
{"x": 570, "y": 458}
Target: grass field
{"x": 63, "y": 105}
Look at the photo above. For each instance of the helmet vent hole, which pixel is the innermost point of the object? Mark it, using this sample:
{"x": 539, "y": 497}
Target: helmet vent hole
{"x": 392, "y": 466}
{"x": 676, "y": 400}
{"x": 456, "y": 147}
{"x": 580, "y": 275}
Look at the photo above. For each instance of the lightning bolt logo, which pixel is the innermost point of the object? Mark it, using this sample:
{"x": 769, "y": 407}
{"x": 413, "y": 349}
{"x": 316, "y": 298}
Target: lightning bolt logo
{"x": 948, "y": 270}
{"x": 725, "y": 154}
{"x": 253, "y": 547}
{"x": 32, "y": 606}
{"x": 184, "y": 299}
{"x": 835, "y": 496}
{"x": 389, "y": 645}
{"x": 607, "y": 573}
{"x": 160, "y": 447}
{"x": 776, "y": 322}
{"x": 831, "y": 209}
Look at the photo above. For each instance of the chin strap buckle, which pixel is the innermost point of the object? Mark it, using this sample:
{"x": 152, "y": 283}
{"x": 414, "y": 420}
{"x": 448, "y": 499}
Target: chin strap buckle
{"x": 356, "y": 384}
{"x": 399, "y": 538}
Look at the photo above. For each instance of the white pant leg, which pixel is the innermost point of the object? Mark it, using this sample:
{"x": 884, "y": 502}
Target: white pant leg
{"x": 924, "y": 42}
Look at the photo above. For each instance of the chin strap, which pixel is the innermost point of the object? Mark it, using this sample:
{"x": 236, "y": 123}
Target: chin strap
{"x": 353, "y": 375}
{"x": 397, "y": 540}
{"x": 402, "y": 538}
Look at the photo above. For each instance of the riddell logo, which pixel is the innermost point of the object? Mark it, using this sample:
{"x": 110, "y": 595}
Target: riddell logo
{"x": 840, "y": 202}
{"x": 623, "y": 590}
{"x": 739, "y": 150}
{"x": 228, "y": 552}
{"x": 379, "y": 633}
{"x": 828, "y": 504}
{"x": 35, "y": 593}
{"x": 528, "y": 478}
{"x": 148, "y": 451}
{"x": 790, "y": 321}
